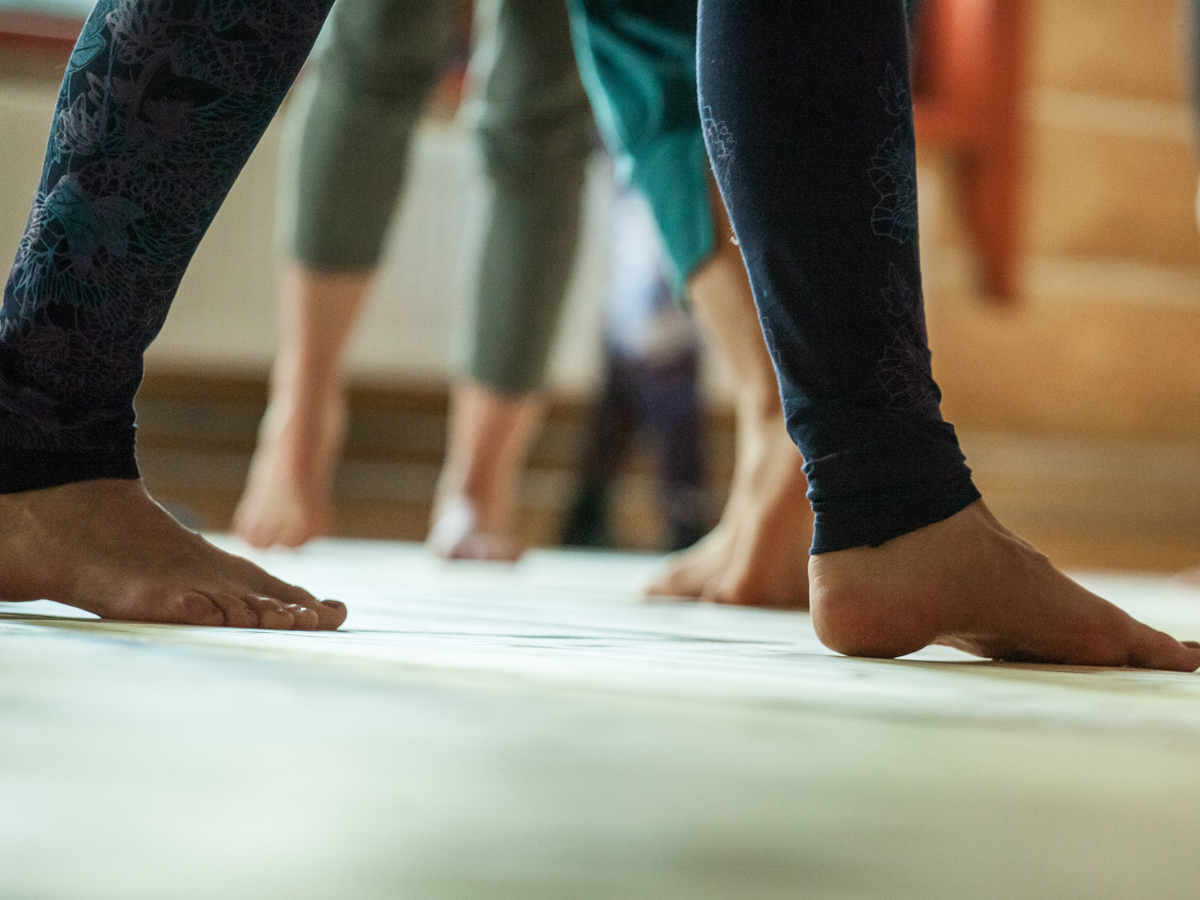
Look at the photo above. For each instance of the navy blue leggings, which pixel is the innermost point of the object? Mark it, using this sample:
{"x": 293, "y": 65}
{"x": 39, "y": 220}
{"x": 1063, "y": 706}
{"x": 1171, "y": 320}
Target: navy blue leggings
{"x": 809, "y": 127}
{"x": 162, "y": 102}
{"x": 808, "y": 121}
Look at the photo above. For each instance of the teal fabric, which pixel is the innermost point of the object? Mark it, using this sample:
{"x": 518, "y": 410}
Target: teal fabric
{"x": 638, "y": 64}
{"x": 637, "y": 59}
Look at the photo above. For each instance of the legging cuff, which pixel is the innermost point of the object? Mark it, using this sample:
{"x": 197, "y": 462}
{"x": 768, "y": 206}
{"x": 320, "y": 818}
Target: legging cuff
{"x": 32, "y": 470}
{"x": 871, "y": 521}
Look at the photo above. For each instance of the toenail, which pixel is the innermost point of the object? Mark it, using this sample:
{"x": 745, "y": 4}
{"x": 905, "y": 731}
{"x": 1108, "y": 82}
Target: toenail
{"x": 334, "y": 604}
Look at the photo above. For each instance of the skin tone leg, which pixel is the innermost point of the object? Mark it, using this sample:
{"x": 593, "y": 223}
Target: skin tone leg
{"x": 490, "y": 437}
{"x": 287, "y": 497}
{"x": 758, "y": 553}
{"x": 287, "y": 500}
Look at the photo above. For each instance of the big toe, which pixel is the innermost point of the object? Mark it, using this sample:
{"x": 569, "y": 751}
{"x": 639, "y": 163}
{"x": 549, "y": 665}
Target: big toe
{"x": 330, "y": 614}
{"x": 1161, "y": 651}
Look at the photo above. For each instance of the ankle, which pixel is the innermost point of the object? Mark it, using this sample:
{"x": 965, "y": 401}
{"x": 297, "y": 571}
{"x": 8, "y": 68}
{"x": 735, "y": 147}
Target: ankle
{"x": 296, "y": 378}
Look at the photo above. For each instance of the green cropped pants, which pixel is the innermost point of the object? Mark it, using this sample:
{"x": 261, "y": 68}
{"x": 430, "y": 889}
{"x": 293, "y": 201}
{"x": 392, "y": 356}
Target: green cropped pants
{"x": 347, "y": 141}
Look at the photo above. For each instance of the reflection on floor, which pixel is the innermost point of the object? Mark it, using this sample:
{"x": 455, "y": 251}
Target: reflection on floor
{"x": 486, "y": 733}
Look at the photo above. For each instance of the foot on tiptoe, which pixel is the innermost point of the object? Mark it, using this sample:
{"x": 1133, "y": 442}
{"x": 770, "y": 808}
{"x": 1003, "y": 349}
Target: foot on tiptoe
{"x": 458, "y": 532}
{"x": 686, "y": 573}
{"x": 105, "y": 547}
{"x": 967, "y": 582}
{"x": 286, "y": 501}
{"x": 758, "y": 553}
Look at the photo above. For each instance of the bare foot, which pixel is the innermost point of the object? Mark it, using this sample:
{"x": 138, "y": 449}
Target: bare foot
{"x": 967, "y": 582}
{"x": 458, "y": 533}
{"x": 474, "y": 507}
{"x": 107, "y": 548}
{"x": 287, "y": 497}
{"x": 686, "y": 573}
{"x": 758, "y": 553}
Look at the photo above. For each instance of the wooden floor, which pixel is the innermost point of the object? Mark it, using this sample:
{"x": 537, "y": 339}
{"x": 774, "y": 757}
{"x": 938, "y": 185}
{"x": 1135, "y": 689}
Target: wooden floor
{"x": 537, "y": 731}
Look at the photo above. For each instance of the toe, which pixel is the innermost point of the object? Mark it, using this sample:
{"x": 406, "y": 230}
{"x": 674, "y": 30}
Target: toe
{"x": 331, "y": 615}
{"x": 303, "y": 619}
{"x": 251, "y": 530}
{"x": 1190, "y": 576}
{"x": 271, "y": 613}
{"x": 291, "y": 535}
{"x": 197, "y": 609}
{"x": 1161, "y": 651}
{"x": 237, "y": 613}
{"x": 672, "y": 582}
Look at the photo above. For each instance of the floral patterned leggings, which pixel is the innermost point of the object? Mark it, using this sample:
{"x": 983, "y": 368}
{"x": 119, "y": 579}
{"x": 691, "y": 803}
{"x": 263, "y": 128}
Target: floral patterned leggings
{"x": 161, "y": 104}
{"x": 808, "y": 124}
{"x": 808, "y": 121}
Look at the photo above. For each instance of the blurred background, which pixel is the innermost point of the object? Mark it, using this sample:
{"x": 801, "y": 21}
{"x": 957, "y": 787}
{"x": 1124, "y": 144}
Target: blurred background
{"x": 1057, "y": 179}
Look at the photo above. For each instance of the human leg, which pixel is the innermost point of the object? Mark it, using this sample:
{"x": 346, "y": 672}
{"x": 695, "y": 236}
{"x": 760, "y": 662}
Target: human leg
{"x": 650, "y": 385}
{"x": 488, "y": 441}
{"x": 758, "y": 553}
{"x": 808, "y": 123}
{"x": 347, "y": 138}
{"x": 287, "y": 500}
{"x": 638, "y": 65}
{"x": 160, "y": 107}
{"x": 534, "y": 127}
